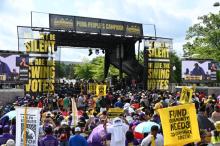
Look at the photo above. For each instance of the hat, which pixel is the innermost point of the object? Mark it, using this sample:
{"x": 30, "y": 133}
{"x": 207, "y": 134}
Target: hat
{"x": 63, "y": 123}
{"x": 10, "y": 142}
{"x": 77, "y": 129}
{"x": 49, "y": 114}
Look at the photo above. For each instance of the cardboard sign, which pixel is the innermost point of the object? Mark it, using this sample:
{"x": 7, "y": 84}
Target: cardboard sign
{"x": 115, "y": 112}
{"x": 186, "y": 95}
{"x": 180, "y": 125}
{"x": 101, "y": 90}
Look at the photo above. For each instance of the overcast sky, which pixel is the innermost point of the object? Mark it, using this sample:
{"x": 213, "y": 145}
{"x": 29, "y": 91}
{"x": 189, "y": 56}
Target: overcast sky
{"x": 171, "y": 17}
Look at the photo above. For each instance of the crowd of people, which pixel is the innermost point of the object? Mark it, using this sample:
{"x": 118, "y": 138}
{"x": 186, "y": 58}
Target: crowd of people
{"x": 94, "y": 126}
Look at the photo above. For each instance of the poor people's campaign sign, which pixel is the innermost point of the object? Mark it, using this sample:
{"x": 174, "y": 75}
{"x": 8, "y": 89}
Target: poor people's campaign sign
{"x": 180, "y": 125}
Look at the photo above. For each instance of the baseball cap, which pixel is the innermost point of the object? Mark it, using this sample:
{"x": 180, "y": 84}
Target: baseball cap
{"x": 77, "y": 129}
{"x": 10, "y": 142}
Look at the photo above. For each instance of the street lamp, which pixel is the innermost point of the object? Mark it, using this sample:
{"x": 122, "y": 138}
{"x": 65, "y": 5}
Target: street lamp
{"x": 216, "y": 4}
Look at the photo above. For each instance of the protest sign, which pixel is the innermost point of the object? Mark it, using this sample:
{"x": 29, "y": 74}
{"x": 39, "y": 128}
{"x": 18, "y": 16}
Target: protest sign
{"x": 92, "y": 87}
{"x": 115, "y": 112}
{"x": 101, "y": 90}
{"x": 41, "y": 68}
{"x": 186, "y": 95}
{"x": 74, "y": 113}
{"x": 27, "y": 126}
{"x": 180, "y": 125}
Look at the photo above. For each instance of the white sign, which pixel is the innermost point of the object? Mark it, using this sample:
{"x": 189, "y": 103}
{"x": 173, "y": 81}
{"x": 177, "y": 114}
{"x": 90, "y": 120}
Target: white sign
{"x": 31, "y": 122}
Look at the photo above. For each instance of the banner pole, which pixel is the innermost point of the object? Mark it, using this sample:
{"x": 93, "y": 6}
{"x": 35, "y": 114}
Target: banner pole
{"x": 25, "y": 126}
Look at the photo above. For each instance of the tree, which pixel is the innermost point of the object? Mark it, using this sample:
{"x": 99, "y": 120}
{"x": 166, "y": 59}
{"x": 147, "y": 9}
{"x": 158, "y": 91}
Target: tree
{"x": 93, "y": 69}
{"x": 203, "y": 38}
{"x": 83, "y": 71}
{"x": 98, "y": 69}
{"x": 175, "y": 61}
{"x": 60, "y": 69}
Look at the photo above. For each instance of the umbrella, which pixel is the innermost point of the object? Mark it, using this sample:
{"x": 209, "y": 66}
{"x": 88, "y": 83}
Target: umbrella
{"x": 10, "y": 114}
{"x": 144, "y": 127}
{"x": 98, "y": 134}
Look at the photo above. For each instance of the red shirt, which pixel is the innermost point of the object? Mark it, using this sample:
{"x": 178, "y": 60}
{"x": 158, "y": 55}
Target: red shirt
{"x": 40, "y": 104}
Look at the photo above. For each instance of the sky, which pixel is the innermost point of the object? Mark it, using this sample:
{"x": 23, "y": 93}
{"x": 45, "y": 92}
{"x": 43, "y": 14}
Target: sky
{"x": 171, "y": 17}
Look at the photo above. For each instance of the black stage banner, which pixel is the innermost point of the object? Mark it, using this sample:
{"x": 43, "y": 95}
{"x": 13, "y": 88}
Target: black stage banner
{"x": 94, "y": 25}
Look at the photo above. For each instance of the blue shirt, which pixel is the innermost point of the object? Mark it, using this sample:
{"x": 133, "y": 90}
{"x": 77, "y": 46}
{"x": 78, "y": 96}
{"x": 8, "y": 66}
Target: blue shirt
{"x": 119, "y": 104}
{"x": 5, "y": 137}
{"x": 77, "y": 140}
{"x": 48, "y": 140}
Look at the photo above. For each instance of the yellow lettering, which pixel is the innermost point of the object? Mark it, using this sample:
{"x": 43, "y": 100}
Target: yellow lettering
{"x": 35, "y": 71}
{"x": 52, "y": 37}
{"x": 28, "y": 86}
{"x": 34, "y": 85}
{"x": 39, "y": 85}
{"x": 28, "y": 47}
{"x": 52, "y": 43}
{"x": 41, "y": 46}
{"x": 52, "y": 72}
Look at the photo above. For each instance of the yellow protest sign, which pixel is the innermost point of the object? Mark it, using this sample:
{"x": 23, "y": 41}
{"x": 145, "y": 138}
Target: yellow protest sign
{"x": 101, "y": 90}
{"x": 186, "y": 95}
{"x": 115, "y": 112}
{"x": 92, "y": 87}
{"x": 180, "y": 125}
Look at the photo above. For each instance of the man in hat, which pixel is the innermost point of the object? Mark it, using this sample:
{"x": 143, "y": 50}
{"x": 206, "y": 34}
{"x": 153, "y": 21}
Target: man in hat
{"x": 77, "y": 139}
{"x": 49, "y": 139}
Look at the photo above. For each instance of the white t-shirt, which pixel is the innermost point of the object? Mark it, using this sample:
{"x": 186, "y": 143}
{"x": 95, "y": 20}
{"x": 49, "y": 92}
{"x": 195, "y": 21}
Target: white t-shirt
{"x": 113, "y": 130}
{"x": 158, "y": 141}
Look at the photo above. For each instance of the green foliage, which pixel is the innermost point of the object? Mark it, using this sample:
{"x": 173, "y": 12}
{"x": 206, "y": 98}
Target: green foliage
{"x": 60, "y": 71}
{"x": 203, "y": 38}
{"x": 64, "y": 70}
{"x": 83, "y": 71}
{"x": 175, "y": 74}
{"x": 94, "y": 69}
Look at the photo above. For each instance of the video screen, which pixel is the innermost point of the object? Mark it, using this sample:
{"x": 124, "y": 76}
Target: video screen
{"x": 199, "y": 70}
{"x": 11, "y": 66}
